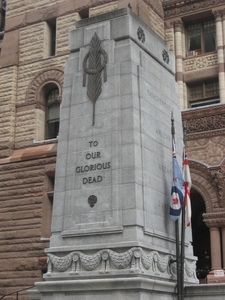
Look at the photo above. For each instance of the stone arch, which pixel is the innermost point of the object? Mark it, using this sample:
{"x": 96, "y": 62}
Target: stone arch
{"x": 50, "y": 76}
{"x": 202, "y": 182}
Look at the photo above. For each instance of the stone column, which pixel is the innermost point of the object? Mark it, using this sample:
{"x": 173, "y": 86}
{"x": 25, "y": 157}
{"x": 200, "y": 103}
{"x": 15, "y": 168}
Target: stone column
{"x": 178, "y": 27}
{"x": 220, "y": 32}
{"x": 223, "y": 245}
{"x": 223, "y": 28}
{"x": 215, "y": 248}
{"x": 169, "y": 35}
{"x": 215, "y": 221}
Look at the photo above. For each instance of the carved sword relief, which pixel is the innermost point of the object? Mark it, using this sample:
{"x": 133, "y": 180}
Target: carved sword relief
{"x": 96, "y": 59}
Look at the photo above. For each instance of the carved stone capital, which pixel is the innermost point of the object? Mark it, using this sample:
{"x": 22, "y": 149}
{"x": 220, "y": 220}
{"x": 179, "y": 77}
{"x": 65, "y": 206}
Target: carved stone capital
{"x": 223, "y": 14}
{"x": 214, "y": 220}
{"x": 217, "y": 14}
{"x": 217, "y": 179}
{"x": 177, "y": 24}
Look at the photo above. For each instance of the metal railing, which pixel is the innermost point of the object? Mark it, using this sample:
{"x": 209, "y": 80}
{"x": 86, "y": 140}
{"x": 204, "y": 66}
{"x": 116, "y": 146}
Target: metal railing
{"x": 17, "y": 292}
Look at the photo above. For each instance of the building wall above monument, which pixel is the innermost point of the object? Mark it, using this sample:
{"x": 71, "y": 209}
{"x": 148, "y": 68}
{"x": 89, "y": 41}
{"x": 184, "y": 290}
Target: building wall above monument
{"x": 36, "y": 40}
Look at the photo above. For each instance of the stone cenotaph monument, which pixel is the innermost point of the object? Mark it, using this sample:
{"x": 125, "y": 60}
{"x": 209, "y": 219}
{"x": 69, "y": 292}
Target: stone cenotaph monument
{"x": 111, "y": 234}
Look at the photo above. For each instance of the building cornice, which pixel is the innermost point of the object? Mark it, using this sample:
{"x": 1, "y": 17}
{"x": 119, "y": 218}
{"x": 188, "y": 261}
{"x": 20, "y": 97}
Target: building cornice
{"x": 175, "y": 8}
{"x": 206, "y": 121}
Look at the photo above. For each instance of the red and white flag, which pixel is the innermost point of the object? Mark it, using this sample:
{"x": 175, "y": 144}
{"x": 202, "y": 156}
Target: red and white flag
{"x": 187, "y": 188}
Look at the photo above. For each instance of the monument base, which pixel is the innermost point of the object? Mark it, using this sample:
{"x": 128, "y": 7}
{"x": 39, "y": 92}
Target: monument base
{"x": 138, "y": 288}
{"x": 101, "y": 289}
{"x": 204, "y": 291}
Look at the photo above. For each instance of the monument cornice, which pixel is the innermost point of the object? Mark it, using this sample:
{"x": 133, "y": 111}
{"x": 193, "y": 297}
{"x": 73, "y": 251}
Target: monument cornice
{"x": 175, "y": 7}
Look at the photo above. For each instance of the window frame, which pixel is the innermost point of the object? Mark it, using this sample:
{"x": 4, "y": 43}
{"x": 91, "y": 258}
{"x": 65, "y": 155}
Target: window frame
{"x": 205, "y": 99}
{"x": 202, "y": 36}
{"x": 43, "y": 93}
{"x": 49, "y": 121}
{"x": 50, "y": 48}
{"x": 49, "y": 182}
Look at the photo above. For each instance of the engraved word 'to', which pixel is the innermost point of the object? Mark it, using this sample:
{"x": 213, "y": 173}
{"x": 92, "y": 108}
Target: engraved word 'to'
{"x": 93, "y": 143}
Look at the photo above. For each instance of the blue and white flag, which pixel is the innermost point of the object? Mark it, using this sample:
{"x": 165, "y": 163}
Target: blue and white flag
{"x": 177, "y": 191}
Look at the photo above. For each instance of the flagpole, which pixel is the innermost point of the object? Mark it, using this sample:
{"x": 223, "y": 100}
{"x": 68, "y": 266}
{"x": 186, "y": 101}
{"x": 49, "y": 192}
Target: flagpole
{"x": 183, "y": 226}
{"x": 176, "y": 229}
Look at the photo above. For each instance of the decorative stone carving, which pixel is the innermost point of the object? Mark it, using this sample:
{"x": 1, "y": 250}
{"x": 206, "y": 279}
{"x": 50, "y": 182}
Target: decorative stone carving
{"x": 92, "y": 200}
{"x": 141, "y": 34}
{"x": 214, "y": 219}
{"x": 217, "y": 179}
{"x": 217, "y": 13}
{"x": 165, "y": 56}
{"x": 121, "y": 260}
{"x": 51, "y": 75}
{"x": 201, "y": 62}
{"x": 90, "y": 262}
{"x": 181, "y": 7}
{"x": 61, "y": 264}
{"x": 223, "y": 14}
{"x": 94, "y": 69}
{"x": 188, "y": 269}
{"x": 208, "y": 119}
{"x": 209, "y": 182}
{"x": 206, "y": 123}
{"x": 107, "y": 260}
{"x": 195, "y": 63}
{"x": 178, "y": 24}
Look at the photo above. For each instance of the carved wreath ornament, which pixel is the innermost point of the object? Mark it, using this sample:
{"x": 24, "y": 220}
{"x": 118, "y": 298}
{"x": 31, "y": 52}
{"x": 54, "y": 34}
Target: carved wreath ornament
{"x": 106, "y": 260}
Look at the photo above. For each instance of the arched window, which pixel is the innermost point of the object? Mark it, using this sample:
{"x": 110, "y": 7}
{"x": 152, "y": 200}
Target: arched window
{"x": 46, "y": 91}
{"x": 52, "y": 113}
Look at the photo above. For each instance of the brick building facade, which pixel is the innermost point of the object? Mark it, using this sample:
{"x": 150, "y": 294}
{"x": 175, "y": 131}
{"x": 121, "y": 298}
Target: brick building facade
{"x": 34, "y": 48}
{"x": 195, "y": 30}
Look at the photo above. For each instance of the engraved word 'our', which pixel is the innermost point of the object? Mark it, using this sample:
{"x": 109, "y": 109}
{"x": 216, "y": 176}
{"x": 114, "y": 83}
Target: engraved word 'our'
{"x": 93, "y": 155}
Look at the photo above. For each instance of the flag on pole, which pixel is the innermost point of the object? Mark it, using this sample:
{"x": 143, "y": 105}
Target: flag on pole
{"x": 177, "y": 191}
{"x": 187, "y": 188}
